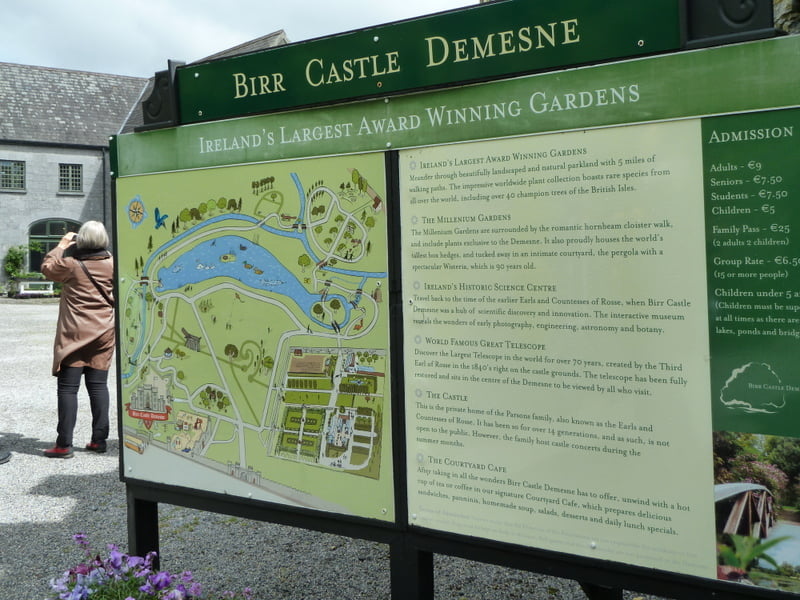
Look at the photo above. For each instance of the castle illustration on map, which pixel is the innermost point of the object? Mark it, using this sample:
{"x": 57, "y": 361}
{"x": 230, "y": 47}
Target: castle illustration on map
{"x": 254, "y": 329}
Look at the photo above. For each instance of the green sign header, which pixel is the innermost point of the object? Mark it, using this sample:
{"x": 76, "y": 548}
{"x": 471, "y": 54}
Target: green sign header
{"x": 480, "y": 42}
{"x": 686, "y": 84}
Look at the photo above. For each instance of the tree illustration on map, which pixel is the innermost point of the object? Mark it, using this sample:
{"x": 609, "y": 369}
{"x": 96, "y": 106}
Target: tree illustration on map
{"x": 254, "y": 330}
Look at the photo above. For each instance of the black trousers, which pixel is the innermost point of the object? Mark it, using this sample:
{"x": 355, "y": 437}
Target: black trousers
{"x": 69, "y": 381}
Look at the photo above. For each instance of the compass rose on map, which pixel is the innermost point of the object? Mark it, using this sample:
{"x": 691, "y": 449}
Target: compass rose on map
{"x": 136, "y": 211}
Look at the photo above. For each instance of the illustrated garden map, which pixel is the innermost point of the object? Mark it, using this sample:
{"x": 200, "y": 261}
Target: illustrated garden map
{"x": 253, "y": 314}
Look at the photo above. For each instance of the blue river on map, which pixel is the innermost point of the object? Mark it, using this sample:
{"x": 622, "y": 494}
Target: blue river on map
{"x": 251, "y": 265}
{"x": 234, "y": 257}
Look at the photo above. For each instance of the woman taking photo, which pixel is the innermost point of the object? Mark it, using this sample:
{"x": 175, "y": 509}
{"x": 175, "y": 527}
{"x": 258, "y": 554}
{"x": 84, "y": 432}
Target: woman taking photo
{"x": 84, "y": 342}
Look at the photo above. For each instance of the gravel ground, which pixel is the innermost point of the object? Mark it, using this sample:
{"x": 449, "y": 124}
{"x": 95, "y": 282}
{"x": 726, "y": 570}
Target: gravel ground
{"x": 43, "y": 502}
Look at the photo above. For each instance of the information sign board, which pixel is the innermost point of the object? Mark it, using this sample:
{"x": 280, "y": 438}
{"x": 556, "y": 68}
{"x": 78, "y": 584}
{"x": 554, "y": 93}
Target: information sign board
{"x": 598, "y": 274}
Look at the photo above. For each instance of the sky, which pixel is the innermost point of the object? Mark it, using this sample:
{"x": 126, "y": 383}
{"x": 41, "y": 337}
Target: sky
{"x": 137, "y": 38}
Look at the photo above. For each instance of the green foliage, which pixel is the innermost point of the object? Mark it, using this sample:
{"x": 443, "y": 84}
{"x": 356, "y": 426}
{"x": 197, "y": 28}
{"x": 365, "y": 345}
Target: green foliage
{"x": 784, "y": 453}
{"x": 787, "y": 570}
{"x": 14, "y": 261}
{"x": 767, "y": 460}
{"x": 747, "y": 550}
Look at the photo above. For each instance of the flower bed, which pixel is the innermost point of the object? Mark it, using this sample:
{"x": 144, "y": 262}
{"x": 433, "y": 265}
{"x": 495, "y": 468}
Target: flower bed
{"x": 120, "y": 576}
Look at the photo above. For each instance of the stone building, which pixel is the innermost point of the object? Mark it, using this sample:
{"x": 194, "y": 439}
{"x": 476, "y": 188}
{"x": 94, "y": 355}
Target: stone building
{"x": 55, "y": 126}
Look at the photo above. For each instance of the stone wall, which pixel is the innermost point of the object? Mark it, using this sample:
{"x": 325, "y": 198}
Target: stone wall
{"x": 787, "y": 15}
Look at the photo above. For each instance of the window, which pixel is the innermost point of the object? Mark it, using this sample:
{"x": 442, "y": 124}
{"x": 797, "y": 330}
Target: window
{"x": 70, "y": 178}
{"x": 43, "y": 236}
{"x": 12, "y": 175}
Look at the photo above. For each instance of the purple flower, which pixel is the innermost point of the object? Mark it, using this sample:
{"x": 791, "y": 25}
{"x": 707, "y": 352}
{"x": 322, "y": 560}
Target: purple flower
{"x": 195, "y": 589}
{"x": 108, "y": 577}
{"x": 140, "y": 566}
{"x": 115, "y": 558}
{"x": 156, "y": 582}
{"x": 59, "y": 585}
{"x": 79, "y": 592}
{"x": 83, "y": 542}
{"x": 97, "y": 577}
{"x": 135, "y": 561}
{"x": 161, "y": 579}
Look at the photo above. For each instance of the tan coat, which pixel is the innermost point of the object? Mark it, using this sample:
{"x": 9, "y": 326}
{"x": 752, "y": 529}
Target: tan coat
{"x": 85, "y": 331}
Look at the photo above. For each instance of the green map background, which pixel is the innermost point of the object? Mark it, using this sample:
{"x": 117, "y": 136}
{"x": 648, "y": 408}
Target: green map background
{"x": 238, "y": 313}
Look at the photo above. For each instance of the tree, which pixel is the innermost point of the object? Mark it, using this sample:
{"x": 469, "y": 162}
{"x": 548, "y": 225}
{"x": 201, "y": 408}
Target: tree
{"x": 729, "y": 446}
{"x": 231, "y": 351}
{"x": 223, "y": 402}
{"x": 784, "y": 453}
{"x": 319, "y": 311}
{"x": 304, "y": 260}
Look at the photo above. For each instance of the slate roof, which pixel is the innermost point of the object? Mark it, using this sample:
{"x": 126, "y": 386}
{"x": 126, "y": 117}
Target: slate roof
{"x": 271, "y": 40}
{"x": 276, "y": 38}
{"x": 59, "y": 106}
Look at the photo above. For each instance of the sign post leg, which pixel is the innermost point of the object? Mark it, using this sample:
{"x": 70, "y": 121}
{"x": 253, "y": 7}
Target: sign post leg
{"x": 598, "y": 592}
{"x": 411, "y": 572}
{"x": 142, "y": 526}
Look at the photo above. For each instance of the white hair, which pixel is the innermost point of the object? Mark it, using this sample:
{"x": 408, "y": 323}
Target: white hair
{"x": 92, "y": 236}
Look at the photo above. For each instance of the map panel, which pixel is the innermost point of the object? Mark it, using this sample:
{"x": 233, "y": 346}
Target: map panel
{"x": 253, "y": 350}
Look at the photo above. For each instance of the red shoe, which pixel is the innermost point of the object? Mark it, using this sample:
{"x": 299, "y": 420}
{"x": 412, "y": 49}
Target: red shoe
{"x": 98, "y": 447}
{"x": 58, "y": 452}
